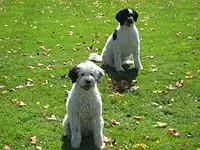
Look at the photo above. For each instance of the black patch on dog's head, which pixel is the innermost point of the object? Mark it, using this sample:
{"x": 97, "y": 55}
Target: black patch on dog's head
{"x": 73, "y": 74}
{"x": 124, "y": 14}
{"x": 114, "y": 36}
{"x": 135, "y": 15}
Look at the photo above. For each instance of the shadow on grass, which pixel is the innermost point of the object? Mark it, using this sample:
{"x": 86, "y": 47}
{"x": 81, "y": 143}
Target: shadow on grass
{"x": 122, "y": 81}
{"x": 87, "y": 143}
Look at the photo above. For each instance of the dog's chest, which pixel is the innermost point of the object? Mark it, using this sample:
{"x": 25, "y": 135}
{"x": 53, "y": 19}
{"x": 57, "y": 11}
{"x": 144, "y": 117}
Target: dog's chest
{"x": 88, "y": 107}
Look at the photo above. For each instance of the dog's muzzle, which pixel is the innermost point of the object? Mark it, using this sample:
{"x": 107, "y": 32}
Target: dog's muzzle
{"x": 87, "y": 85}
{"x": 129, "y": 22}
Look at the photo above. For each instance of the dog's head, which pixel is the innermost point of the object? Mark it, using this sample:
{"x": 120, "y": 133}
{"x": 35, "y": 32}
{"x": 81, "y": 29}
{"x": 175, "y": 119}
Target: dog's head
{"x": 86, "y": 74}
{"x": 126, "y": 16}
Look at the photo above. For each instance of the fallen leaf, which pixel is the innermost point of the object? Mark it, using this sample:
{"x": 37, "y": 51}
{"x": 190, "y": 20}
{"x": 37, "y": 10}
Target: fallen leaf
{"x": 173, "y": 132}
{"x": 31, "y": 67}
{"x": 18, "y": 102}
{"x": 180, "y": 83}
{"x": 46, "y": 106}
{"x": 188, "y": 75}
{"x": 140, "y": 146}
{"x": 19, "y": 86}
{"x": 153, "y": 69}
{"x": 171, "y": 87}
{"x": 33, "y": 140}
{"x": 38, "y": 148}
{"x": 51, "y": 118}
{"x": 138, "y": 117}
{"x": 4, "y": 92}
{"x": 151, "y": 57}
{"x": 2, "y": 86}
{"x": 6, "y": 147}
{"x": 146, "y": 137}
{"x": 40, "y": 64}
{"x": 114, "y": 122}
{"x": 44, "y": 48}
{"x": 161, "y": 125}
{"x": 70, "y": 33}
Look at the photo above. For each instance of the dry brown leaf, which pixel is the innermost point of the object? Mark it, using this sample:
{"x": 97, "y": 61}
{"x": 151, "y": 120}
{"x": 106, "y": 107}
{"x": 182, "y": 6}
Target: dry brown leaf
{"x": 18, "y": 102}
{"x": 51, "y": 118}
{"x": 180, "y": 83}
{"x": 161, "y": 124}
{"x": 6, "y": 147}
{"x": 138, "y": 117}
{"x": 109, "y": 141}
{"x": 31, "y": 67}
{"x": 46, "y": 106}
{"x": 140, "y": 146}
{"x": 170, "y": 87}
{"x": 33, "y": 140}
{"x": 114, "y": 122}
{"x": 70, "y": 33}
{"x": 173, "y": 132}
{"x": 38, "y": 148}
{"x": 40, "y": 64}
{"x": 44, "y": 48}
{"x": 188, "y": 75}
{"x": 19, "y": 86}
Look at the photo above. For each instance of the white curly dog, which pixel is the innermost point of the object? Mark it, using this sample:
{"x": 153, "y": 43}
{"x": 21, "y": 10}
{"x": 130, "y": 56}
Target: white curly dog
{"x": 84, "y": 105}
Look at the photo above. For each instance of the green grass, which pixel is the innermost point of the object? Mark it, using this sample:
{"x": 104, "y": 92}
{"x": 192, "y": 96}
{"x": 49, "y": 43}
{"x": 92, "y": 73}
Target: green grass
{"x": 27, "y": 25}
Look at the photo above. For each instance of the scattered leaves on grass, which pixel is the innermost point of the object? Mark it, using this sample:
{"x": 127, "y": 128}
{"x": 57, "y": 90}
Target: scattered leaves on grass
{"x": 40, "y": 64}
{"x": 188, "y": 75}
{"x": 19, "y": 87}
{"x": 138, "y": 117}
{"x": 51, "y": 118}
{"x": 38, "y": 148}
{"x": 4, "y": 92}
{"x": 46, "y": 106}
{"x": 70, "y": 33}
{"x": 6, "y": 147}
{"x": 18, "y": 102}
{"x": 33, "y": 140}
{"x": 109, "y": 141}
{"x": 170, "y": 87}
{"x": 31, "y": 67}
{"x": 161, "y": 124}
{"x": 113, "y": 122}
{"x": 173, "y": 132}
{"x": 140, "y": 146}
{"x": 151, "y": 57}
{"x": 44, "y": 48}
{"x": 180, "y": 83}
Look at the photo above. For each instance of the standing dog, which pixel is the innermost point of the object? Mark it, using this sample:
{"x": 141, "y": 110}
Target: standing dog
{"x": 124, "y": 43}
{"x": 84, "y": 105}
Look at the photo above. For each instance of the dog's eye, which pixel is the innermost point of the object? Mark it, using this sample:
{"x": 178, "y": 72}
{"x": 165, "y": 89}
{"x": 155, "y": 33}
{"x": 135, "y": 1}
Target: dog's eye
{"x": 82, "y": 74}
{"x": 92, "y": 74}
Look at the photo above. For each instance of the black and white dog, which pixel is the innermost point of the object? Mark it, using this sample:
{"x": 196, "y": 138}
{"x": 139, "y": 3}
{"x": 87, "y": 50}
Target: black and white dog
{"x": 123, "y": 45}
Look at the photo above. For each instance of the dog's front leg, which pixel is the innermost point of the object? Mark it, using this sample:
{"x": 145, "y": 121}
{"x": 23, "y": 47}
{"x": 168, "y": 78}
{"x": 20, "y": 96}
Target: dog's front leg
{"x": 97, "y": 124}
{"x": 118, "y": 59}
{"x": 136, "y": 57}
{"x": 75, "y": 132}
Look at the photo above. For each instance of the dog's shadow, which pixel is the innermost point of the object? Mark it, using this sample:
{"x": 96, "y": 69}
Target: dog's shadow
{"x": 87, "y": 143}
{"x": 122, "y": 81}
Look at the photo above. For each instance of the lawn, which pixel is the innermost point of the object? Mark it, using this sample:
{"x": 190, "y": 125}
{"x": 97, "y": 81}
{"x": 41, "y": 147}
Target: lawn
{"x": 40, "y": 40}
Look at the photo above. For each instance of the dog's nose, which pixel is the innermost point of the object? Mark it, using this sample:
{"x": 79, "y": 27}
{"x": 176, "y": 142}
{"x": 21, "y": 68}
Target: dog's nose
{"x": 87, "y": 81}
{"x": 130, "y": 20}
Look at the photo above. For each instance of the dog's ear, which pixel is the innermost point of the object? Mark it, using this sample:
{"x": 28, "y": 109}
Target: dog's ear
{"x": 100, "y": 75}
{"x": 135, "y": 15}
{"x": 118, "y": 16}
{"x": 73, "y": 74}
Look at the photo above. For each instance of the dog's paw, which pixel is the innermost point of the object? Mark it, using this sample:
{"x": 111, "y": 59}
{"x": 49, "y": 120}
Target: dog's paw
{"x": 75, "y": 142}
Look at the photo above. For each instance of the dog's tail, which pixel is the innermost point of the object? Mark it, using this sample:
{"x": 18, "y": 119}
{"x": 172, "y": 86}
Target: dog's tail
{"x": 95, "y": 57}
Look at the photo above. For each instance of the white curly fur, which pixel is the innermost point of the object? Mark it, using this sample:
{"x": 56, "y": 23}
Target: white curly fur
{"x": 84, "y": 106}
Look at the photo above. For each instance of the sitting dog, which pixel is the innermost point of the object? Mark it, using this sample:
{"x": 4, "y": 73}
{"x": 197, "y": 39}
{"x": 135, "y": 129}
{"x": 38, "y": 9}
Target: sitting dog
{"x": 123, "y": 44}
{"x": 84, "y": 105}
